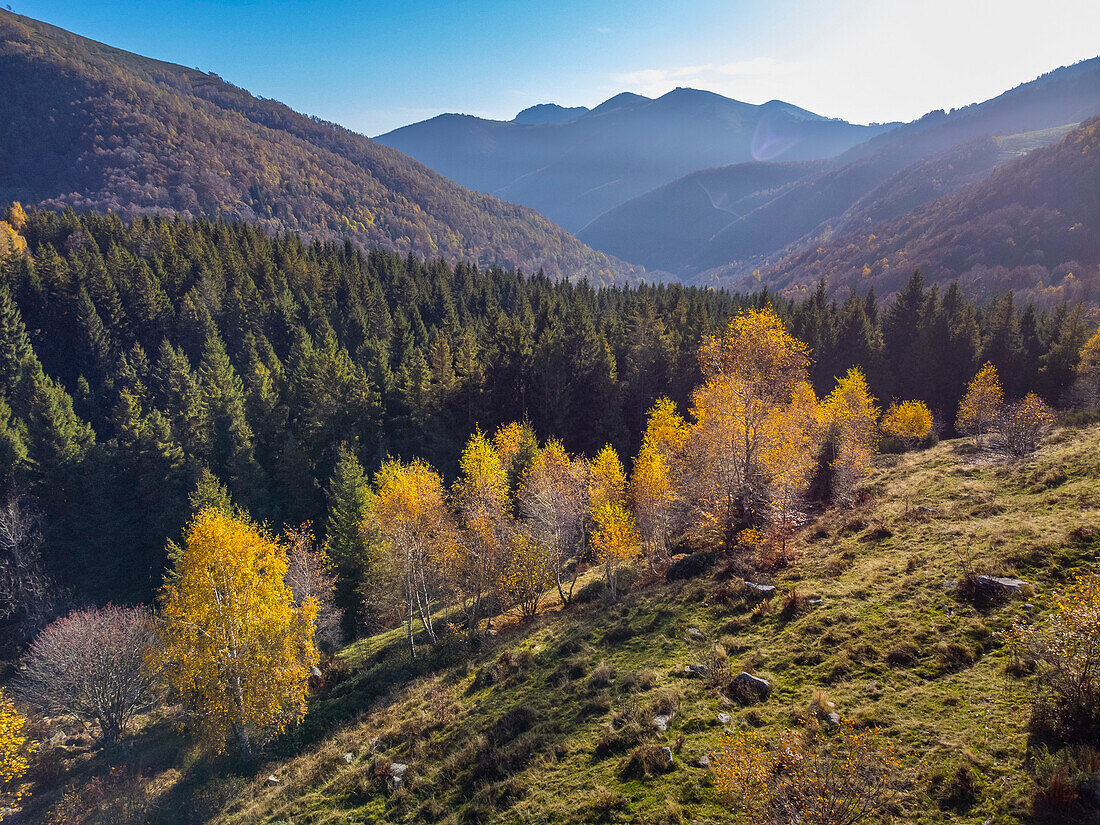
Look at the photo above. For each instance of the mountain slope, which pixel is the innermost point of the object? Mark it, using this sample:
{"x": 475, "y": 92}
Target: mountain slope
{"x": 669, "y": 225}
{"x": 89, "y": 126}
{"x": 574, "y": 171}
{"x": 896, "y": 171}
{"x": 546, "y": 721}
{"x": 1032, "y": 225}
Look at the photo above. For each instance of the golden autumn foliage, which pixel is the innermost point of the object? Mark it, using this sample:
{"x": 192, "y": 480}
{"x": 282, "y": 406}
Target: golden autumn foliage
{"x": 755, "y": 372}
{"x": 788, "y": 458}
{"x": 481, "y": 496}
{"x": 614, "y": 538}
{"x": 13, "y": 751}
{"x": 851, "y": 417}
{"x": 979, "y": 406}
{"x": 606, "y": 480}
{"x": 411, "y": 514}
{"x": 526, "y": 574}
{"x": 11, "y": 242}
{"x": 552, "y": 498}
{"x": 809, "y": 776}
{"x": 234, "y": 646}
{"x": 909, "y": 422}
{"x": 653, "y": 486}
{"x": 17, "y": 216}
{"x": 1067, "y": 648}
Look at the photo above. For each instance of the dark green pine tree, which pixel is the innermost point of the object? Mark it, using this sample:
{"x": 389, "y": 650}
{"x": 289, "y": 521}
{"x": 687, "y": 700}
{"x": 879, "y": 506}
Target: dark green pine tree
{"x": 143, "y": 499}
{"x": 1002, "y": 345}
{"x": 176, "y": 392}
{"x": 348, "y": 495}
{"x": 230, "y": 437}
{"x": 15, "y": 345}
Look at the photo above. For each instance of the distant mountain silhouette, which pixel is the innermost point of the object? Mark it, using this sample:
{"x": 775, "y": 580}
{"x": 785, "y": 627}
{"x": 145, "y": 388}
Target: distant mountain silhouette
{"x": 875, "y": 181}
{"x": 572, "y": 169}
{"x": 1033, "y": 226}
{"x": 96, "y": 128}
{"x": 549, "y": 113}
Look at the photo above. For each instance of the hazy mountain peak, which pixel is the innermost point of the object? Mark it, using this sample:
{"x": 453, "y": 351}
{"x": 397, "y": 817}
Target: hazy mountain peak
{"x": 543, "y": 113}
{"x": 623, "y": 100}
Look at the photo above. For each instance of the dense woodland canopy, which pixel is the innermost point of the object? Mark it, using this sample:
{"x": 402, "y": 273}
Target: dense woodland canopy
{"x": 135, "y": 356}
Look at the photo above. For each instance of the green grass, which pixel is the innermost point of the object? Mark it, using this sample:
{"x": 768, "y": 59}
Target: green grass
{"x": 533, "y": 730}
{"x": 551, "y": 721}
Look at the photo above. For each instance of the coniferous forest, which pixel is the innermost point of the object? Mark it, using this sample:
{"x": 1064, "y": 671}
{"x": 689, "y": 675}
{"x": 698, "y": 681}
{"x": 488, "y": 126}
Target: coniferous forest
{"x": 135, "y": 357}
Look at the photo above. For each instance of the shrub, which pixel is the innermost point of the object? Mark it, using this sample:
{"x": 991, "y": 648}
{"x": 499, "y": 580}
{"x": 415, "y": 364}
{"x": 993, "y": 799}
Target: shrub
{"x": 909, "y": 422}
{"x": 92, "y": 665}
{"x": 1020, "y": 427}
{"x": 688, "y": 567}
{"x": 807, "y": 776}
{"x": 646, "y": 761}
{"x": 1067, "y": 649}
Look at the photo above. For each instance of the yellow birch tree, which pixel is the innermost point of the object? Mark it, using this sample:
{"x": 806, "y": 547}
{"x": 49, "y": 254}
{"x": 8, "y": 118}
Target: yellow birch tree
{"x": 235, "y": 647}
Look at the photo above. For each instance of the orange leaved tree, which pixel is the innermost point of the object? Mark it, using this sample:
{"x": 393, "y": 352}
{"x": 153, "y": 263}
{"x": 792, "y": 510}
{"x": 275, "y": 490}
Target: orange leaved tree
{"x": 411, "y": 515}
{"x": 851, "y": 418}
{"x": 653, "y": 485}
{"x": 752, "y": 370}
{"x": 234, "y": 645}
{"x": 809, "y": 775}
{"x": 909, "y": 422}
{"x": 981, "y": 404}
{"x": 613, "y": 536}
{"x": 481, "y": 497}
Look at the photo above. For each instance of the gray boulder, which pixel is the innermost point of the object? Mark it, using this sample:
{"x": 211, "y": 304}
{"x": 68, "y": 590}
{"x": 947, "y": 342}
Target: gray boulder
{"x": 750, "y": 687}
{"x": 1002, "y": 584}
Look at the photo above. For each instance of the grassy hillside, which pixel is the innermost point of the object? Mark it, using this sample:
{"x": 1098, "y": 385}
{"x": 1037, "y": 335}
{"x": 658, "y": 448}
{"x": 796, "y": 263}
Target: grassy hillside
{"x": 89, "y": 126}
{"x": 552, "y": 721}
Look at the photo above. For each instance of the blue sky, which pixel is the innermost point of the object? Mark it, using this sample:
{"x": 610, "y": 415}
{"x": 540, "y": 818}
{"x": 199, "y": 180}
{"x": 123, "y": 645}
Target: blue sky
{"x": 373, "y": 66}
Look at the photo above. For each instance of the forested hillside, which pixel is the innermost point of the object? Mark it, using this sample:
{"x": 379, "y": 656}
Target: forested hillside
{"x": 96, "y": 128}
{"x": 135, "y": 356}
{"x": 1032, "y": 226}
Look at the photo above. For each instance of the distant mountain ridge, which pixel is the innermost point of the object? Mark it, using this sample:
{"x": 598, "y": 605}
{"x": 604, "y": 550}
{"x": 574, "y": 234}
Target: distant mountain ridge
{"x": 86, "y": 125}
{"x": 887, "y": 176}
{"x": 1032, "y": 225}
{"x": 574, "y": 166}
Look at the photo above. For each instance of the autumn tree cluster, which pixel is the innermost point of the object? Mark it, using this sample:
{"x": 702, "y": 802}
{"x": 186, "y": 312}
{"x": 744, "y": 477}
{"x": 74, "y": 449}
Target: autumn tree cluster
{"x": 1015, "y": 428}
{"x": 135, "y": 357}
{"x": 523, "y": 517}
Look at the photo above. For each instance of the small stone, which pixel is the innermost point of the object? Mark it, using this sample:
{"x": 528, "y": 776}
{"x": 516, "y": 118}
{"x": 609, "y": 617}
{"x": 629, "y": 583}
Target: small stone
{"x": 703, "y": 761}
{"x": 950, "y": 584}
{"x": 397, "y": 773}
{"x": 316, "y": 671}
{"x": 764, "y": 589}
{"x": 273, "y": 780}
{"x": 833, "y": 718}
{"x": 661, "y": 722}
{"x": 696, "y": 670}
{"x": 668, "y": 755}
{"x": 348, "y": 757}
{"x": 751, "y": 686}
{"x": 696, "y": 632}
{"x": 1029, "y": 607}
{"x": 724, "y": 718}
{"x": 815, "y": 602}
